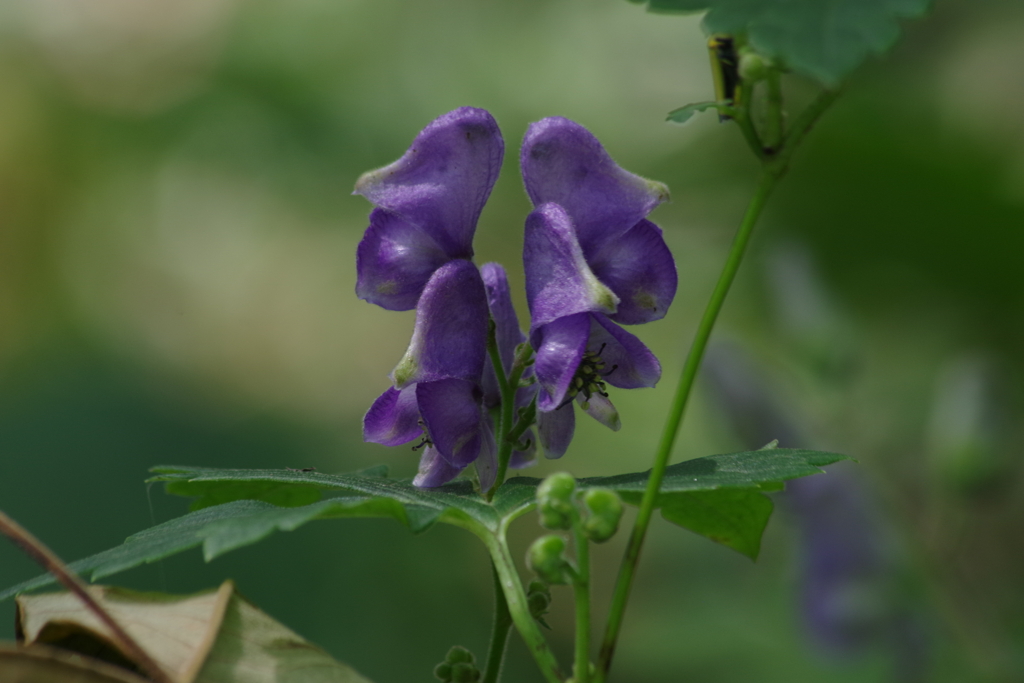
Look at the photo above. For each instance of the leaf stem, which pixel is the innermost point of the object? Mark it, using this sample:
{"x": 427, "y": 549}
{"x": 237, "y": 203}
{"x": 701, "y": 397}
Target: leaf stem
{"x": 773, "y": 168}
{"x": 773, "y": 117}
{"x": 581, "y": 593}
{"x": 507, "y": 385}
{"x": 499, "y": 633}
{"x": 518, "y": 607}
{"x": 49, "y": 561}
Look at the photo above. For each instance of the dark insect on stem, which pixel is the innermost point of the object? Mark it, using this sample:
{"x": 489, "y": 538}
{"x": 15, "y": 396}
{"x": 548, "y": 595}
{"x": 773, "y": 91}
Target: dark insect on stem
{"x": 725, "y": 70}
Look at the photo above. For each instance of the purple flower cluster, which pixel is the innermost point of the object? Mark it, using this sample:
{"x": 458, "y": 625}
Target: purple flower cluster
{"x": 592, "y": 261}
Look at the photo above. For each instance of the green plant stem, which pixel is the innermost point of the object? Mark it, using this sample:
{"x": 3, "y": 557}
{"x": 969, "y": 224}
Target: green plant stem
{"x": 499, "y": 632}
{"x": 773, "y": 116}
{"x": 518, "y": 607}
{"x": 742, "y": 118}
{"x": 581, "y": 594}
{"x": 773, "y": 168}
{"x": 507, "y": 414}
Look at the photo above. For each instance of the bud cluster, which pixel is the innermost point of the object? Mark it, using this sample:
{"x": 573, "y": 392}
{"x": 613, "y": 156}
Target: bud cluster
{"x": 559, "y": 510}
{"x": 459, "y": 666}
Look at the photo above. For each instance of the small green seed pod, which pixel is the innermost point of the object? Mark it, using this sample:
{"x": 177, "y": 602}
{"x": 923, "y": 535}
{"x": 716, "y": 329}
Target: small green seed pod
{"x": 464, "y": 672}
{"x": 555, "y": 501}
{"x": 459, "y": 654}
{"x": 753, "y": 66}
{"x": 605, "y": 508}
{"x": 545, "y": 558}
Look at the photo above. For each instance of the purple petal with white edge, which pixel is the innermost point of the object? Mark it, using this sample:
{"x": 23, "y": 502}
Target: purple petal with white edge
{"x": 560, "y": 346}
{"x": 555, "y": 430}
{"x": 635, "y": 365}
{"x": 601, "y": 409}
{"x": 563, "y": 162}
{"x": 442, "y": 182}
{"x": 393, "y": 419}
{"x": 434, "y": 470}
{"x": 521, "y": 459}
{"x": 451, "y": 410}
{"x": 394, "y": 261}
{"x": 558, "y": 280}
{"x": 450, "y": 337}
{"x": 506, "y": 327}
{"x": 640, "y": 269}
{"x": 487, "y": 463}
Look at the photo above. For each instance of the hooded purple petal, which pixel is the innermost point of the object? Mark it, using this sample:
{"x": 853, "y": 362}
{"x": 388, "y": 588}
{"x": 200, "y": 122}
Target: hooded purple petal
{"x": 434, "y": 470}
{"x": 560, "y": 346}
{"x": 640, "y": 269}
{"x": 558, "y": 280}
{"x": 451, "y": 410}
{"x": 393, "y": 419}
{"x": 601, "y": 409}
{"x": 450, "y": 337}
{"x": 506, "y": 327}
{"x": 394, "y": 261}
{"x": 563, "y": 162}
{"x": 442, "y": 182}
{"x": 555, "y": 430}
{"x": 637, "y": 366}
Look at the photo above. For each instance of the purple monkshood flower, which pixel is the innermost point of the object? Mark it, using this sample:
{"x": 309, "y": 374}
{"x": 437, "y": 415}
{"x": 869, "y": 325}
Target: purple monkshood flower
{"x": 428, "y": 203}
{"x": 592, "y": 260}
{"x": 437, "y": 395}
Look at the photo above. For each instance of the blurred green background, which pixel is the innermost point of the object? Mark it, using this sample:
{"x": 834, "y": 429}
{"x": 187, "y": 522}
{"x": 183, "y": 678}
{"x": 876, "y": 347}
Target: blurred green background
{"x": 177, "y": 245}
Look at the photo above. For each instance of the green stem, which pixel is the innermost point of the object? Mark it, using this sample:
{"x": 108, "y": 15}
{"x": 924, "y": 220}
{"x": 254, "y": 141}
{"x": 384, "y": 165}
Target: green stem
{"x": 772, "y": 170}
{"x": 742, "y": 119}
{"x": 505, "y": 417}
{"x": 518, "y": 607}
{"x": 773, "y": 117}
{"x": 526, "y": 418}
{"x": 581, "y": 593}
{"x": 499, "y": 634}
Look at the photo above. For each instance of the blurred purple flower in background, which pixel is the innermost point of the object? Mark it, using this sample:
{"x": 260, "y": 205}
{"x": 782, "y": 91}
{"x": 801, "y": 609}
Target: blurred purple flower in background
{"x": 592, "y": 260}
{"x": 428, "y": 203}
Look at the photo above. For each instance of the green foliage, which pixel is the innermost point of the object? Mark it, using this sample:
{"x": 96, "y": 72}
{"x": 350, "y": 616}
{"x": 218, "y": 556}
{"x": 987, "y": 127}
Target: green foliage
{"x": 724, "y": 510}
{"x": 733, "y": 517}
{"x": 822, "y": 39}
{"x": 684, "y": 114}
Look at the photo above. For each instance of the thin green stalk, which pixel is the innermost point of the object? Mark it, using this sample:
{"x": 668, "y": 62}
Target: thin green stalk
{"x": 773, "y": 115}
{"x": 581, "y": 594}
{"x": 519, "y": 609}
{"x": 772, "y": 170}
{"x": 499, "y": 633}
{"x": 507, "y": 414}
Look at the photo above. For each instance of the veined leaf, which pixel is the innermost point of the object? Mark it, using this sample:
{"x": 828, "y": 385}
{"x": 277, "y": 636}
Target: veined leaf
{"x": 823, "y": 39}
{"x": 717, "y": 496}
{"x": 684, "y": 114}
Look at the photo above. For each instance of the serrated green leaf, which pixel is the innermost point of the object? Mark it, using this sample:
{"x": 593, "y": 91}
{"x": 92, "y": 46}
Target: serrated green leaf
{"x": 684, "y": 114}
{"x": 456, "y": 497}
{"x": 733, "y": 517}
{"x": 765, "y": 470}
{"x": 226, "y": 527}
{"x": 238, "y": 523}
{"x": 822, "y": 39}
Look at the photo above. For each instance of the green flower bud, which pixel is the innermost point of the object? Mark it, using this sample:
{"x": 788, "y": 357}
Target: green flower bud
{"x": 443, "y": 672}
{"x": 555, "y": 501}
{"x": 605, "y": 512}
{"x": 464, "y": 672}
{"x": 459, "y": 654}
{"x": 753, "y": 67}
{"x": 545, "y": 558}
